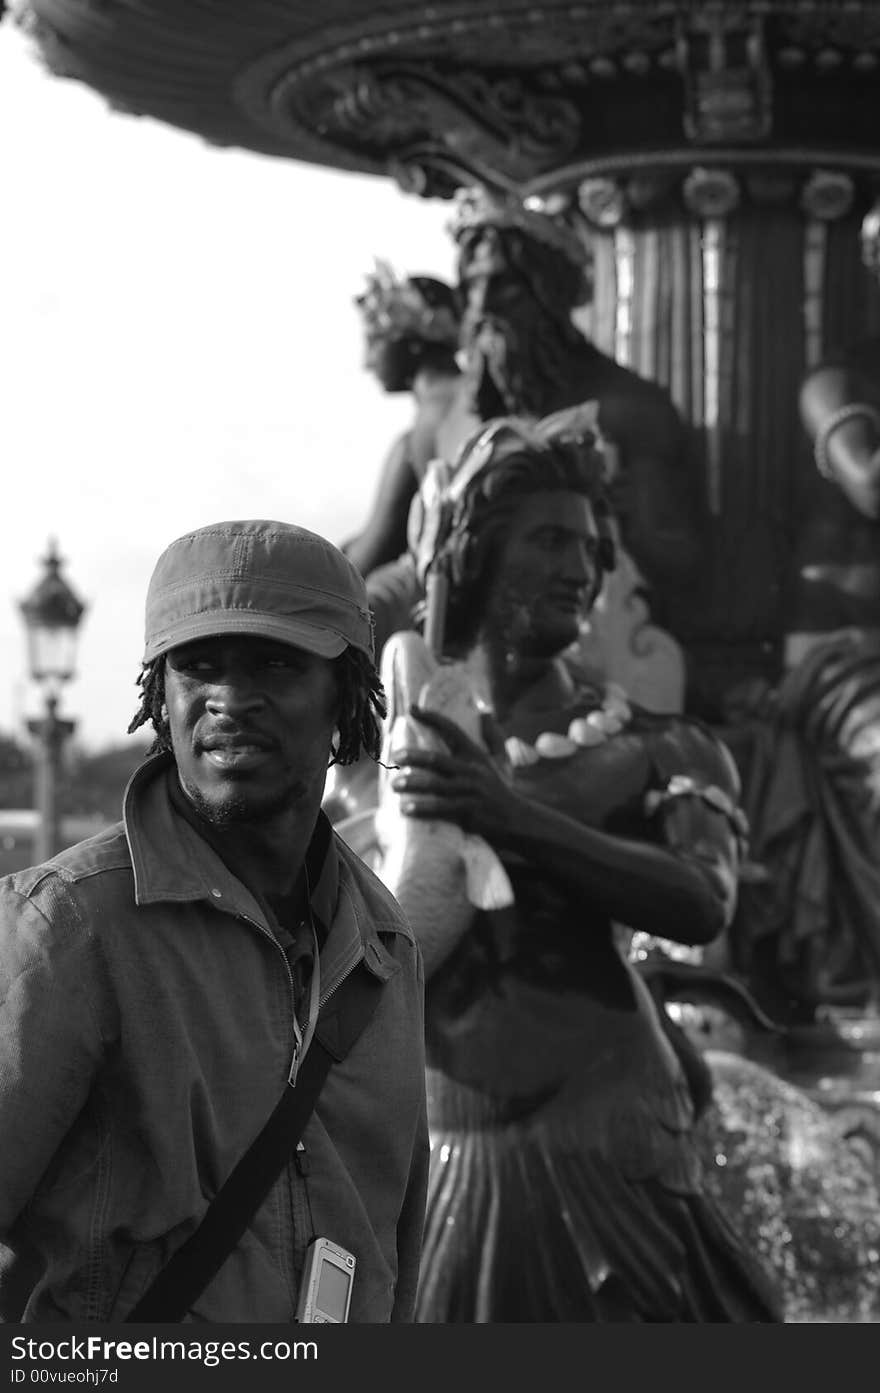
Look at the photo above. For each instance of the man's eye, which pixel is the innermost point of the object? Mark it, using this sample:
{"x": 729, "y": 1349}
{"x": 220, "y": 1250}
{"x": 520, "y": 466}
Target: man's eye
{"x": 286, "y": 662}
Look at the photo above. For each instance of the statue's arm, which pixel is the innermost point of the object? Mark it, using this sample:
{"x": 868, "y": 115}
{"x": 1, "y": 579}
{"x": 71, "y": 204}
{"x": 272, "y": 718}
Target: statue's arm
{"x": 678, "y": 882}
{"x": 846, "y": 439}
{"x": 384, "y": 536}
{"x": 658, "y": 888}
{"x": 694, "y": 806}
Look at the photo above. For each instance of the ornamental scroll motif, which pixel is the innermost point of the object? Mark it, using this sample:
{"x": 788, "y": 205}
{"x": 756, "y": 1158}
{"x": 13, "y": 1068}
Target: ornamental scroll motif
{"x": 462, "y": 93}
{"x": 511, "y": 95}
{"x": 485, "y": 119}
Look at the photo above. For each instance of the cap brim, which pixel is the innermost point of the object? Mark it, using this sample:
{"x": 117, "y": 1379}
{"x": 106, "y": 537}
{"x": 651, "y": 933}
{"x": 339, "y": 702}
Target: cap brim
{"x": 326, "y": 643}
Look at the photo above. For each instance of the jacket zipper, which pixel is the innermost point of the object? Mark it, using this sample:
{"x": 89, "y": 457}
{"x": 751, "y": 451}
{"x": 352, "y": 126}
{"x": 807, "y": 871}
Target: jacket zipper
{"x": 298, "y": 1173}
{"x": 297, "y": 1168}
{"x": 296, "y": 1188}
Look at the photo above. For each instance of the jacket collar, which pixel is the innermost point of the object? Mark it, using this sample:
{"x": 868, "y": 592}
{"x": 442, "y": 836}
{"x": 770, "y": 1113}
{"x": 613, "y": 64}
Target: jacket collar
{"x": 171, "y": 862}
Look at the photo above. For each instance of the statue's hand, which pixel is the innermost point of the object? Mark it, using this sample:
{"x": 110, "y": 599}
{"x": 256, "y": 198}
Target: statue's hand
{"x": 465, "y": 783}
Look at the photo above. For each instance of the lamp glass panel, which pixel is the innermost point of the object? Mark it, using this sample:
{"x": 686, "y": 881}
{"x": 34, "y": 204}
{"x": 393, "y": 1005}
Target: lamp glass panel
{"x": 51, "y": 652}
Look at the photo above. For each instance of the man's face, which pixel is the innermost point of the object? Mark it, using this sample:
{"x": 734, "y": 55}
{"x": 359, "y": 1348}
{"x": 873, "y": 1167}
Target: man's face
{"x": 541, "y": 585}
{"x": 251, "y": 724}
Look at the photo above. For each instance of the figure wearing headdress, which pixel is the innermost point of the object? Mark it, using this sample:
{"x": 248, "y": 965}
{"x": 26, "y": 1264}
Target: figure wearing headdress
{"x": 411, "y": 334}
{"x": 565, "y": 1183}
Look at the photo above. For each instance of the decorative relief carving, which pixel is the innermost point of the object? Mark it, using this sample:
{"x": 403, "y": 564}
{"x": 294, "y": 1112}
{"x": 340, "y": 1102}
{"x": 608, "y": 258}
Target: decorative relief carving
{"x": 463, "y": 122}
{"x": 603, "y": 201}
{"x": 728, "y": 92}
{"x": 508, "y": 95}
{"x": 710, "y": 192}
{"x": 503, "y": 90}
{"x": 823, "y": 28}
{"x": 514, "y": 124}
{"x": 827, "y": 195}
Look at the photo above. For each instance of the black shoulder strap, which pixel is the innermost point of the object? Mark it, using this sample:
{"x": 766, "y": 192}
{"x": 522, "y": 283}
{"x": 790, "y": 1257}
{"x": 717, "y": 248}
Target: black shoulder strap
{"x": 176, "y": 1288}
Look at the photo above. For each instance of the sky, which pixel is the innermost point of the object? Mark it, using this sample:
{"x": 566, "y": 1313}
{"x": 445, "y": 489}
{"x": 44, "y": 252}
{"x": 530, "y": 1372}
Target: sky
{"x": 178, "y": 346}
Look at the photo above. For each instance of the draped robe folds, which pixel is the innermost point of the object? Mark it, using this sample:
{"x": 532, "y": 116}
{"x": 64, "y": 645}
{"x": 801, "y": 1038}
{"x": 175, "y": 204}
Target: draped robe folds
{"x": 565, "y": 1181}
{"x": 813, "y": 918}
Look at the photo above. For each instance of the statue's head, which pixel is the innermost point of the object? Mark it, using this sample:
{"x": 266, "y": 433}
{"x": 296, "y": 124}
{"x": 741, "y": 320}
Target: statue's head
{"x": 410, "y": 323}
{"x": 521, "y": 272}
{"x": 513, "y": 482}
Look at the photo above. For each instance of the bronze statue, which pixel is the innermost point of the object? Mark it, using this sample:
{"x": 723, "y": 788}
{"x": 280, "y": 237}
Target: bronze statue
{"x": 809, "y": 933}
{"x": 411, "y": 331}
{"x": 521, "y": 274}
{"x": 565, "y": 1181}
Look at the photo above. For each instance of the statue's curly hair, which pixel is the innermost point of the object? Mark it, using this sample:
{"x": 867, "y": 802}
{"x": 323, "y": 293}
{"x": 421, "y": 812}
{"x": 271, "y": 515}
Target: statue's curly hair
{"x": 504, "y": 463}
{"x": 362, "y": 707}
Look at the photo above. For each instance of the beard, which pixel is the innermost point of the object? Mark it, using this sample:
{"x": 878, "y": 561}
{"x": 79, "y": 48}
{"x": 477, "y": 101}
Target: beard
{"x": 529, "y": 630}
{"x": 238, "y": 806}
{"x": 517, "y": 364}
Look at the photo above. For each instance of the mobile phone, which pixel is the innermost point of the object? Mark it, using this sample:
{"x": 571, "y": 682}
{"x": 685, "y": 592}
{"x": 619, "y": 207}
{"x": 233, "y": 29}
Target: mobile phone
{"x": 327, "y": 1280}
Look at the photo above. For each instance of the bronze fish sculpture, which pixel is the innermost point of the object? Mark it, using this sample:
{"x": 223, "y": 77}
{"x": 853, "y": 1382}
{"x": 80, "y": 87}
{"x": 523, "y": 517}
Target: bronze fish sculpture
{"x": 439, "y": 874}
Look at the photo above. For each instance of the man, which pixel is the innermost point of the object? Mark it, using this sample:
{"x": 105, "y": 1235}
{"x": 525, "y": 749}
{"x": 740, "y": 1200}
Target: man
{"x": 159, "y": 980}
{"x": 521, "y": 275}
{"x": 411, "y": 327}
{"x": 810, "y": 933}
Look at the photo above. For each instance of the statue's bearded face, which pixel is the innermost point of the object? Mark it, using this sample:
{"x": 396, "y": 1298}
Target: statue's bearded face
{"x": 511, "y": 342}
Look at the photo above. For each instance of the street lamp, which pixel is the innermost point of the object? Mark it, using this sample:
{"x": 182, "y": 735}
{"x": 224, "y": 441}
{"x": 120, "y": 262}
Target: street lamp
{"x": 52, "y": 614}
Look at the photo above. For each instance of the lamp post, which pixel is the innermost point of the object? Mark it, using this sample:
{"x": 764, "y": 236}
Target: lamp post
{"x": 52, "y": 614}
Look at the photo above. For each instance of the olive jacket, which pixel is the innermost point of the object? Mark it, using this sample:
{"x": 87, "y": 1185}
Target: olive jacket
{"x": 146, "y": 1034}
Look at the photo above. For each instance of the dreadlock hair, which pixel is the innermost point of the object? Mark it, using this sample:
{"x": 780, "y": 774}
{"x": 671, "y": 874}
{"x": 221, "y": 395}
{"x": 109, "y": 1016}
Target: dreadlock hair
{"x": 151, "y": 680}
{"x": 362, "y": 706}
{"x": 524, "y": 461}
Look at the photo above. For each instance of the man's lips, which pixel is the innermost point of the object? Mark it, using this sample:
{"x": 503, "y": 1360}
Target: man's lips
{"x": 240, "y": 751}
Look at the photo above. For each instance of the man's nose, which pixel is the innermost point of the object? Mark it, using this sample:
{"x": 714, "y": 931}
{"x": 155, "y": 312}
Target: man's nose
{"x": 232, "y": 692}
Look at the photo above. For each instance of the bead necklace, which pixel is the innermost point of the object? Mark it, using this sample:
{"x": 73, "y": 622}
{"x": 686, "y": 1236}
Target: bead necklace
{"x": 584, "y": 731}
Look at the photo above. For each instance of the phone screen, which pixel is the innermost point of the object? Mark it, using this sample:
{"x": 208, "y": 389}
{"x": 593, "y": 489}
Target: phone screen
{"x": 332, "y": 1290}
